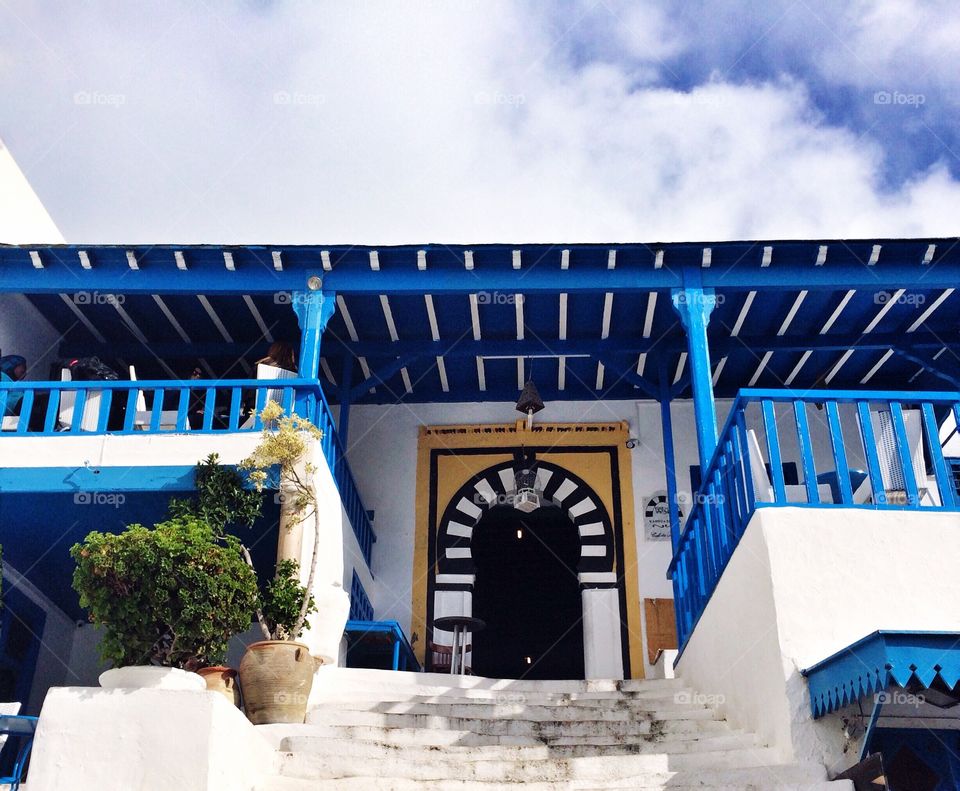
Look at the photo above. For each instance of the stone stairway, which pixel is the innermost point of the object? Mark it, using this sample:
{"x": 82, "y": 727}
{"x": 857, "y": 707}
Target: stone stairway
{"x": 376, "y": 730}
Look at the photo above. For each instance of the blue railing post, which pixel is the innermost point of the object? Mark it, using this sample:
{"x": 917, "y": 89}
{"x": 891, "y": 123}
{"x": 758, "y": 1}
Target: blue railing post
{"x": 666, "y": 425}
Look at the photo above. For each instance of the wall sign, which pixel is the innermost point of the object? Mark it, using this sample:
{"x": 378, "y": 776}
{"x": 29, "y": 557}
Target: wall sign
{"x": 656, "y": 517}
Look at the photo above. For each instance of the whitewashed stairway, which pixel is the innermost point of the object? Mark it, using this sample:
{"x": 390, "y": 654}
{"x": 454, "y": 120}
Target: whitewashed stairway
{"x": 374, "y": 730}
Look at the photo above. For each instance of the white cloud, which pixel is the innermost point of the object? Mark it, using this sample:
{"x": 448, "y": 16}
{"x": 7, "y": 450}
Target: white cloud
{"x": 426, "y": 122}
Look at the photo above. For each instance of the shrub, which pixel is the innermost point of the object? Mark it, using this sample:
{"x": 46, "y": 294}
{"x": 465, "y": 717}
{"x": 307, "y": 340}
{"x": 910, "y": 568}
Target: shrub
{"x": 169, "y": 595}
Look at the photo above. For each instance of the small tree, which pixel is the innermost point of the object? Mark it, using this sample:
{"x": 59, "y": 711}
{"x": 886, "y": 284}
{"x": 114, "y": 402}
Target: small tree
{"x": 170, "y": 595}
{"x": 283, "y": 446}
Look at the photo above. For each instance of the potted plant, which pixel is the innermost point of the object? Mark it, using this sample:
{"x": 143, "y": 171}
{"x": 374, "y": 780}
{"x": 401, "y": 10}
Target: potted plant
{"x": 277, "y": 673}
{"x": 221, "y": 500}
{"x": 168, "y": 598}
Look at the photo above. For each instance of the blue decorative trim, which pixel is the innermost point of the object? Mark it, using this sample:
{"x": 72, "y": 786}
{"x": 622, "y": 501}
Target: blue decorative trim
{"x": 878, "y": 660}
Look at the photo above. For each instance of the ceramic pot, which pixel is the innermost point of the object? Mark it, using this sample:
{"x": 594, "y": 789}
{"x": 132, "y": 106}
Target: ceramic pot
{"x": 223, "y": 680}
{"x": 276, "y": 677}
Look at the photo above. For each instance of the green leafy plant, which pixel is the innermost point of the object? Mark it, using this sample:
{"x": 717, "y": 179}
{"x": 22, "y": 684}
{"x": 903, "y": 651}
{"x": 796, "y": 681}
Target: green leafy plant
{"x": 282, "y": 599}
{"x": 221, "y": 498}
{"x": 169, "y": 595}
{"x": 283, "y": 446}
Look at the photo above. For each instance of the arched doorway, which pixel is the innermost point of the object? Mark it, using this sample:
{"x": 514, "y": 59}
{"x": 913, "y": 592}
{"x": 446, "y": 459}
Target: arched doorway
{"x": 528, "y": 593}
{"x": 453, "y": 579}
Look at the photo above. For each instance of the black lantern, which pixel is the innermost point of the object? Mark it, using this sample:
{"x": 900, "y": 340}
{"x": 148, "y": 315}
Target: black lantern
{"x": 529, "y": 402}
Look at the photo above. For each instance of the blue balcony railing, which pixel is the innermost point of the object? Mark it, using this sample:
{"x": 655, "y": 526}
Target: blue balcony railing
{"x": 851, "y": 449}
{"x": 75, "y": 408}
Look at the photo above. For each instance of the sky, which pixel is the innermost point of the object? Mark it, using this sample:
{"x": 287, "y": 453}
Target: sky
{"x": 414, "y": 122}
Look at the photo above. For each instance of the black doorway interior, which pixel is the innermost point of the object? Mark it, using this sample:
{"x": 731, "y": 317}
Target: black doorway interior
{"x": 528, "y": 593}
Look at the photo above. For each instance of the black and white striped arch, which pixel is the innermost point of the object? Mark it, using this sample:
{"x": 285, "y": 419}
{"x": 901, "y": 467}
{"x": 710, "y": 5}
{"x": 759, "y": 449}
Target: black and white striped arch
{"x": 495, "y": 486}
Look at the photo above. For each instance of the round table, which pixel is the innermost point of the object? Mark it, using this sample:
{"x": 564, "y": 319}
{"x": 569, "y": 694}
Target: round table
{"x": 459, "y": 625}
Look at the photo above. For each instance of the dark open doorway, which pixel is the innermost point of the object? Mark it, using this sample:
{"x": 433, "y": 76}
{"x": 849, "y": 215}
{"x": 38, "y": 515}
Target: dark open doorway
{"x": 528, "y": 593}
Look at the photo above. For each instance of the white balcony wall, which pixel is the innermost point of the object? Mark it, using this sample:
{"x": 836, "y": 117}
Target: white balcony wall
{"x": 800, "y": 588}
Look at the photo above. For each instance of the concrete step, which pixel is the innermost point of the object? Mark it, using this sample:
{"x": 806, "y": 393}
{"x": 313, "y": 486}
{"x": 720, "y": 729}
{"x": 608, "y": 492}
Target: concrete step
{"x": 551, "y": 770}
{"x": 751, "y": 780}
{"x": 363, "y": 750}
{"x": 612, "y": 710}
{"x": 434, "y": 694}
{"x": 375, "y": 680}
{"x": 544, "y": 730}
{"x": 672, "y": 730}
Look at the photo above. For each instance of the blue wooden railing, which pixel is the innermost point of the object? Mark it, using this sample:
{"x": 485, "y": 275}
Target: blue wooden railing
{"x": 904, "y": 470}
{"x": 169, "y": 407}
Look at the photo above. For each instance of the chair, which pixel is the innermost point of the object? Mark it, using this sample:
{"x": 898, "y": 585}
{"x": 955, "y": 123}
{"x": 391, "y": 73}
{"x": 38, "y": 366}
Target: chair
{"x": 13, "y": 724}
{"x": 68, "y": 400}
{"x": 10, "y": 423}
{"x": 888, "y": 456}
{"x": 141, "y": 421}
{"x": 763, "y": 489}
{"x": 441, "y": 657}
{"x": 265, "y": 371}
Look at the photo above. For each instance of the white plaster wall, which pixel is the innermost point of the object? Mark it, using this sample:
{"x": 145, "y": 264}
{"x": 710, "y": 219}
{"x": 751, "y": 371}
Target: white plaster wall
{"x": 23, "y": 220}
{"x": 24, "y": 331}
{"x": 801, "y": 586}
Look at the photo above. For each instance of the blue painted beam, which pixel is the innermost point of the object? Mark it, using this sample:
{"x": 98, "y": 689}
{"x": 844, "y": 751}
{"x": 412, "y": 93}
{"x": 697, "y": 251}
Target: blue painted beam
{"x": 736, "y": 265}
{"x": 694, "y": 304}
{"x": 918, "y": 343}
{"x": 343, "y": 419}
{"x": 86, "y": 482}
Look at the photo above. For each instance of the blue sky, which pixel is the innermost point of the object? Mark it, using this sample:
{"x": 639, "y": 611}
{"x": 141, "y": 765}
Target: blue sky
{"x": 485, "y": 121}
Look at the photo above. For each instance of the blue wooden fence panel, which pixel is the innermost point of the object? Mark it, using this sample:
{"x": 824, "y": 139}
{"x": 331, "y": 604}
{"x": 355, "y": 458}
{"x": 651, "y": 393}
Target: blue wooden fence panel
{"x": 220, "y": 411}
{"x": 727, "y": 498}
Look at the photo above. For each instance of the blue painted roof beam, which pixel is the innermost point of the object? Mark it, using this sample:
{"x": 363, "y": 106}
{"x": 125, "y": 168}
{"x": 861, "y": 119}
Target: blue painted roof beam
{"x": 195, "y": 269}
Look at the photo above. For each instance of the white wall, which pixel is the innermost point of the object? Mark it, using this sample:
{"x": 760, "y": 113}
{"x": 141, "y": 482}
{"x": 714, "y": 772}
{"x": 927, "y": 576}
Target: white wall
{"x": 25, "y": 332}
{"x": 24, "y": 220}
{"x": 799, "y": 589}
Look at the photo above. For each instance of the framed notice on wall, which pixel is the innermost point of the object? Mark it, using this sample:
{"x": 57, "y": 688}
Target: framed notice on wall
{"x": 656, "y": 517}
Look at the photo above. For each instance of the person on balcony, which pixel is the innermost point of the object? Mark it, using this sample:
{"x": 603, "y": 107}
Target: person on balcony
{"x": 280, "y": 355}
{"x": 13, "y": 368}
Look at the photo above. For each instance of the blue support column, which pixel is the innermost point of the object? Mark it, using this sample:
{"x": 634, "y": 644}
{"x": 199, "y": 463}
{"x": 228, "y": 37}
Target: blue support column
{"x": 313, "y": 309}
{"x": 346, "y": 382}
{"x": 695, "y": 304}
{"x": 669, "y": 460}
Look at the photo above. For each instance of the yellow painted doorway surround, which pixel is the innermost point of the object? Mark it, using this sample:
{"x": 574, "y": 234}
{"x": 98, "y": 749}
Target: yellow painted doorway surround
{"x": 450, "y": 456}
